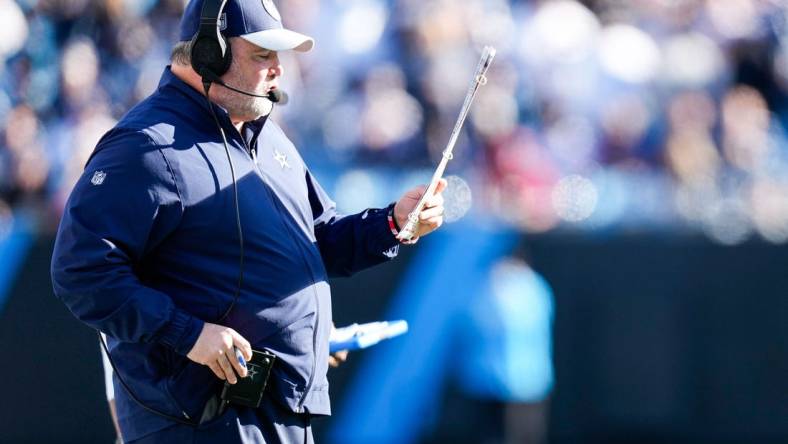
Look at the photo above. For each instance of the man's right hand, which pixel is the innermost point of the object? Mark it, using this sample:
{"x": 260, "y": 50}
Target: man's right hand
{"x": 214, "y": 348}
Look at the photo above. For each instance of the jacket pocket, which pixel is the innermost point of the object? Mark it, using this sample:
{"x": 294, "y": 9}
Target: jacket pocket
{"x": 191, "y": 387}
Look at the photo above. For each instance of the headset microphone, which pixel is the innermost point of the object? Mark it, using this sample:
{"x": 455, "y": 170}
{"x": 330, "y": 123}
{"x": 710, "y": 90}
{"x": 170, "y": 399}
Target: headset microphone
{"x": 275, "y": 95}
{"x": 278, "y": 96}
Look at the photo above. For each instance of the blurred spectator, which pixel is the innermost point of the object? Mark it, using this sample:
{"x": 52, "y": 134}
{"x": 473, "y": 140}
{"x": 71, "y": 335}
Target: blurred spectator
{"x": 508, "y": 357}
{"x": 26, "y": 165}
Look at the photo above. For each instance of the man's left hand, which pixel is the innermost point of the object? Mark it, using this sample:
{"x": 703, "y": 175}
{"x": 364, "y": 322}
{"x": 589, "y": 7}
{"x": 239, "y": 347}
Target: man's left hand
{"x": 430, "y": 217}
{"x": 335, "y": 359}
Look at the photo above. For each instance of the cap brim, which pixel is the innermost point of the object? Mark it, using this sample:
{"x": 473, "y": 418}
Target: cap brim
{"x": 280, "y": 40}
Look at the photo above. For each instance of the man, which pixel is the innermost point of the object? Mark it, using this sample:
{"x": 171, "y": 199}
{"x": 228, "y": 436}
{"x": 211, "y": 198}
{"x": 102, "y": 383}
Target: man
{"x": 149, "y": 249}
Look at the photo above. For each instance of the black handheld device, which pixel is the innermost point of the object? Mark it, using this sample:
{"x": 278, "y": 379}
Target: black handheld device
{"x": 248, "y": 391}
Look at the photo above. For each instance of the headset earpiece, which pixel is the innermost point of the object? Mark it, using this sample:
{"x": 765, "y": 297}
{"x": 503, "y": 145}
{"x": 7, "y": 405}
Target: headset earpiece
{"x": 210, "y": 49}
{"x": 211, "y": 54}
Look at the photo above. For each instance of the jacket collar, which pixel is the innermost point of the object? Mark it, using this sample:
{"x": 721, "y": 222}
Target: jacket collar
{"x": 169, "y": 81}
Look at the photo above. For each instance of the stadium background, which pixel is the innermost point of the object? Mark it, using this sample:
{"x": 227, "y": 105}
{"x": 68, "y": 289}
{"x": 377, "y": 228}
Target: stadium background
{"x": 633, "y": 153}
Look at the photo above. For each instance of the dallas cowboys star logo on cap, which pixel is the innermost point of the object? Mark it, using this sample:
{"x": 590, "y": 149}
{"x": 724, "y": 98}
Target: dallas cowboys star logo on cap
{"x": 271, "y": 8}
{"x": 257, "y": 21}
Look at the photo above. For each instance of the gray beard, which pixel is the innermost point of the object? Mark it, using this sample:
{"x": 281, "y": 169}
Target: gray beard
{"x": 239, "y": 105}
{"x": 250, "y": 108}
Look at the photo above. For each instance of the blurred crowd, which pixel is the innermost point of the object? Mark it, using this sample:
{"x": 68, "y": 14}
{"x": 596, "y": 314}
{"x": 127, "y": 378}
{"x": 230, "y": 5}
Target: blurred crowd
{"x": 598, "y": 114}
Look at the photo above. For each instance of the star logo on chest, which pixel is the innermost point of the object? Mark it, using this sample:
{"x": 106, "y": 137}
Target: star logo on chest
{"x": 281, "y": 158}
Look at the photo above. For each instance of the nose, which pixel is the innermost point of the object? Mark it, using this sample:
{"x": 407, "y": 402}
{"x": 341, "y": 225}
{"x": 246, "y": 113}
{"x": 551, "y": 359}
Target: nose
{"x": 275, "y": 70}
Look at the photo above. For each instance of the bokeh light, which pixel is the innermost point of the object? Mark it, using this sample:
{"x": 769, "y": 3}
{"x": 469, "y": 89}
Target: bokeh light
{"x": 361, "y": 26}
{"x": 562, "y": 31}
{"x": 457, "y": 198}
{"x": 13, "y": 29}
{"x": 355, "y": 191}
{"x": 692, "y": 60}
{"x": 629, "y": 54}
{"x": 575, "y": 198}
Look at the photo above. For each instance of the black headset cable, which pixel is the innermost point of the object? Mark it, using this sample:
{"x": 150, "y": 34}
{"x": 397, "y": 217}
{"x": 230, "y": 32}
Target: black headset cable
{"x": 207, "y": 86}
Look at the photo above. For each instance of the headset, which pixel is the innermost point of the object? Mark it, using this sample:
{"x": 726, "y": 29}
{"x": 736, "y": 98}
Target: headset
{"x": 211, "y": 55}
{"x": 210, "y": 58}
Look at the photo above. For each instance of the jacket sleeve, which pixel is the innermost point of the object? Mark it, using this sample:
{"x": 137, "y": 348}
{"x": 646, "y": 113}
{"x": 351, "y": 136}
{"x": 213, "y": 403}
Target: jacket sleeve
{"x": 349, "y": 244}
{"x": 123, "y": 206}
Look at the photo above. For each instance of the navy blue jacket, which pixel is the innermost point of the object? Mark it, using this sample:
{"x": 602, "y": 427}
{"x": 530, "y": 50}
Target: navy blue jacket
{"x": 147, "y": 251}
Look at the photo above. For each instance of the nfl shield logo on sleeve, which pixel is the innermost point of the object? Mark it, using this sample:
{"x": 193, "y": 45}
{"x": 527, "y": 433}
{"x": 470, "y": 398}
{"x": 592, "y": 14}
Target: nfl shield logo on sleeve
{"x": 98, "y": 178}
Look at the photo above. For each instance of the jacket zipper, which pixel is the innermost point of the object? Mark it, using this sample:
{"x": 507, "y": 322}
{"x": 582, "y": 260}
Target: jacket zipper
{"x": 300, "y": 405}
